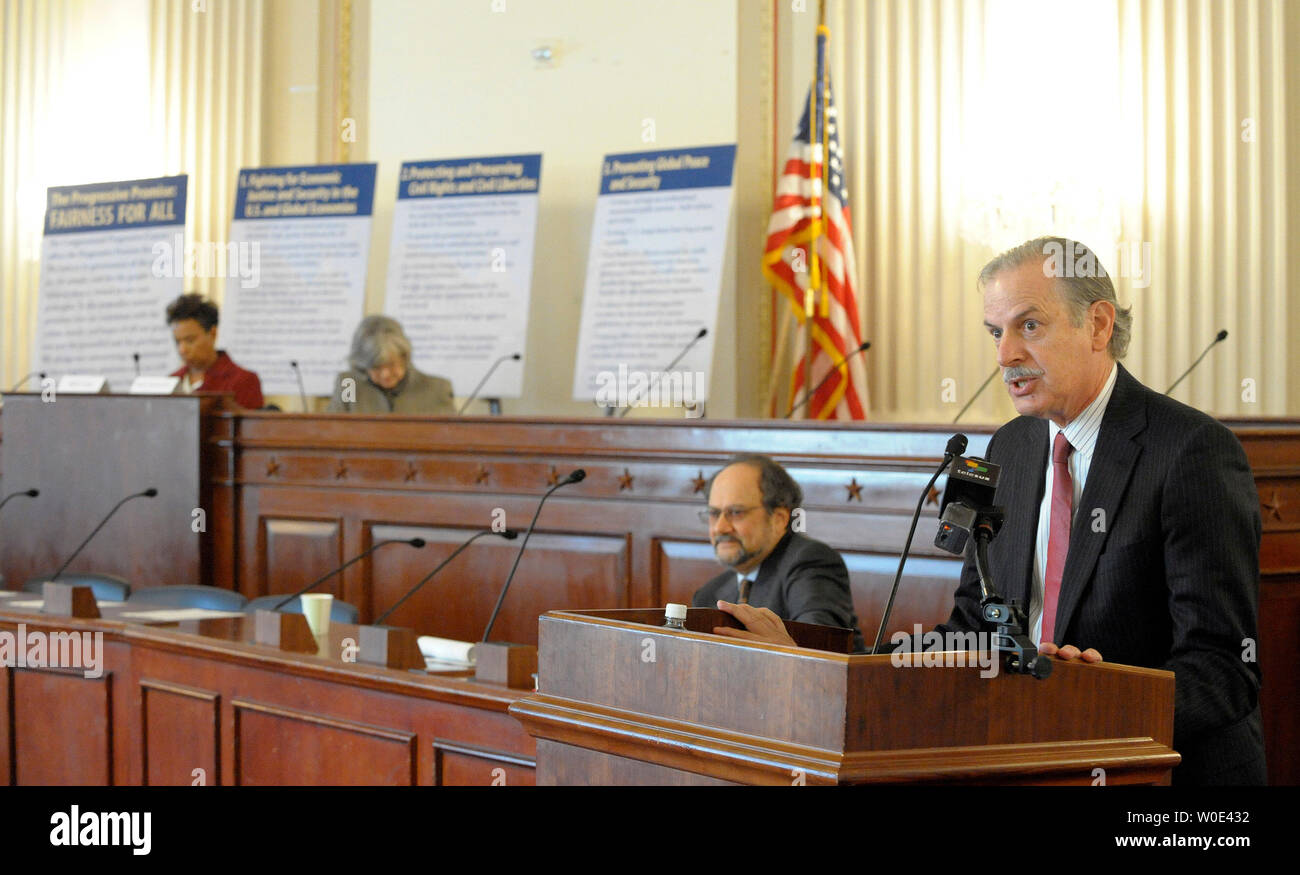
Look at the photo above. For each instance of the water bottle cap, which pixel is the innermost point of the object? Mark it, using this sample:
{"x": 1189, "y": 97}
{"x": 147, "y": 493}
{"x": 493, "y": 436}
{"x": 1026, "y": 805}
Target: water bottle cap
{"x": 675, "y": 612}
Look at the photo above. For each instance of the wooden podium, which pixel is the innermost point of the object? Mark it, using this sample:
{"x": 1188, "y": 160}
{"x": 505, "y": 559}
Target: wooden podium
{"x": 623, "y": 701}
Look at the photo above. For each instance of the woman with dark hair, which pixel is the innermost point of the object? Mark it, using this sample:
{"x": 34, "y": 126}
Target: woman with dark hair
{"x": 382, "y": 378}
{"x": 193, "y": 321}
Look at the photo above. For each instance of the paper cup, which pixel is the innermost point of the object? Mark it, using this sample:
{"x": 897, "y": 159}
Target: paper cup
{"x": 316, "y": 608}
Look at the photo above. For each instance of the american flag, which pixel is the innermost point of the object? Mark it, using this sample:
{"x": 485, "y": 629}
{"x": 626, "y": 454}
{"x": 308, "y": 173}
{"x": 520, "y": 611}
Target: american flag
{"x": 787, "y": 263}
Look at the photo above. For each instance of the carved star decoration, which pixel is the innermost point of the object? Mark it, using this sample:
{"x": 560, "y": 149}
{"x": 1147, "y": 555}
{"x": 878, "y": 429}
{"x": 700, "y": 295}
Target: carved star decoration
{"x": 553, "y": 477}
{"x": 341, "y": 471}
{"x": 483, "y": 474}
{"x": 698, "y": 482}
{"x": 411, "y": 471}
{"x": 625, "y": 480}
{"x": 272, "y": 467}
{"x": 932, "y": 497}
{"x": 1274, "y": 506}
{"x": 855, "y": 490}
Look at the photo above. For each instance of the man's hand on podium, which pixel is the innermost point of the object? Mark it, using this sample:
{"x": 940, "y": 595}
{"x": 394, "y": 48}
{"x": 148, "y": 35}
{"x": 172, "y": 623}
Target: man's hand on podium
{"x": 762, "y": 625}
{"x": 1069, "y": 651}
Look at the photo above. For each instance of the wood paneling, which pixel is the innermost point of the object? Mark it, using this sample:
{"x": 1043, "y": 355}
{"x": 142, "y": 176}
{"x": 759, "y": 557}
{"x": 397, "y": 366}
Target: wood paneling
{"x": 62, "y": 727}
{"x": 460, "y": 765}
{"x": 277, "y": 746}
{"x": 180, "y": 732}
{"x": 298, "y": 551}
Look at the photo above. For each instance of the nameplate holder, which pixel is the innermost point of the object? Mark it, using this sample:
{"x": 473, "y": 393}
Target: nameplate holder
{"x": 389, "y": 646}
{"x": 82, "y": 384}
{"x": 155, "y": 386}
{"x": 69, "y": 600}
{"x": 511, "y": 665}
{"x": 283, "y": 631}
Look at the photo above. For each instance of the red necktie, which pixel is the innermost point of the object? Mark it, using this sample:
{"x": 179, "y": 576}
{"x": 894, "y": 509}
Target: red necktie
{"x": 1058, "y": 540}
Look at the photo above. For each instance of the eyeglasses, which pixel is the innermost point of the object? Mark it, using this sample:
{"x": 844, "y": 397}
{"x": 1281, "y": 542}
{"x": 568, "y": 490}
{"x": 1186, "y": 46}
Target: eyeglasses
{"x": 734, "y": 514}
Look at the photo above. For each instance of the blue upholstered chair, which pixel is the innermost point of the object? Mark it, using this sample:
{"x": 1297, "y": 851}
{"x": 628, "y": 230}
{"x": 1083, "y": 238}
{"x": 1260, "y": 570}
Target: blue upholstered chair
{"x": 107, "y": 587}
{"x": 340, "y": 612}
{"x": 212, "y": 598}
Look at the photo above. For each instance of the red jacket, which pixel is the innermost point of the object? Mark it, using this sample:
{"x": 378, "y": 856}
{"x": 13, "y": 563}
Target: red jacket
{"x": 226, "y": 376}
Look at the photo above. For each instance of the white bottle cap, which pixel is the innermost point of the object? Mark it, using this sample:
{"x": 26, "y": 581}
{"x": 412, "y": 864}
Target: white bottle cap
{"x": 675, "y": 612}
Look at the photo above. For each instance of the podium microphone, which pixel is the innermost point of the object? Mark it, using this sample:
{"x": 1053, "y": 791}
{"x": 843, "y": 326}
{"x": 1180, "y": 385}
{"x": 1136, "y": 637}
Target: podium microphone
{"x": 978, "y": 393}
{"x": 136, "y": 356}
{"x": 694, "y": 340}
{"x": 148, "y": 493}
{"x": 30, "y": 493}
{"x": 508, "y": 534}
{"x": 417, "y": 543}
{"x": 956, "y": 446}
{"x": 576, "y": 477}
{"x": 302, "y": 392}
{"x": 514, "y": 356}
{"x": 1218, "y": 338}
{"x": 40, "y": 374}
{"x": 833, "y": 371}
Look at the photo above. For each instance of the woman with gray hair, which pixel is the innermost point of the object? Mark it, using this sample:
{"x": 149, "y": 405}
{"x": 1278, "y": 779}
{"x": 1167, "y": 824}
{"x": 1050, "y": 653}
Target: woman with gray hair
{"x": 382, "y": 378}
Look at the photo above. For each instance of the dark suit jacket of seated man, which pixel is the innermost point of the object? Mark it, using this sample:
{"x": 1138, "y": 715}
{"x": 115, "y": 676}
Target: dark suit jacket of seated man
{"x": 802, "y": 580}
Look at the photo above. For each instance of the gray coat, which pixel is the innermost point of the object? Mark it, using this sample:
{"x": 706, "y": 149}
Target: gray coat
{"x": 417, "y": 394}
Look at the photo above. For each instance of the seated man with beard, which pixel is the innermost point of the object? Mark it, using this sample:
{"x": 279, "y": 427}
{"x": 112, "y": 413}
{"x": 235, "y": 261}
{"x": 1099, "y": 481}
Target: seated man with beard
{"x": 793, "y": 577}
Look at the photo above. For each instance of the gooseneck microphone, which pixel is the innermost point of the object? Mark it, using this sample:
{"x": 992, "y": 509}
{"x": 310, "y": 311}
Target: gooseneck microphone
{"x": 978, "y": 393}
{"x": 508, "y": 534}
{"x": 672, "y": 364}
{"x": 514, "y": 356}
{"x": 1218, "y": 338}
{"x": 576, "y": 477}
{"x": 832, "y": 372}
{"x": 956, "y": 446}
{"x": 30, "y": 493}
{"x": 17, "y": 385}
{"x": 302, "y": 391}
{"x": 148, "y": 493}
{"x": 136, "y": 356}
{"x": 417, "y": 543}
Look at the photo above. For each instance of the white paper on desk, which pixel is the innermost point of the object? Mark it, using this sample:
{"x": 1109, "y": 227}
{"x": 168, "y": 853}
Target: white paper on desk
{"x": 177, "y": 615}
{"x": 9, "y": 594}
{"x": 447, "y": 649}
{"x": 35, "y": 604}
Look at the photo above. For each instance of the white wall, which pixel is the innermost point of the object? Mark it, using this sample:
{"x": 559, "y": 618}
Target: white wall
{"x": 451, "y": 78}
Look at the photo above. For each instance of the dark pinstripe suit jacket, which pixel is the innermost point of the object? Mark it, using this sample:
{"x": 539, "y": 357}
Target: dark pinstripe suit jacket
{"x": 1172, "y": 579}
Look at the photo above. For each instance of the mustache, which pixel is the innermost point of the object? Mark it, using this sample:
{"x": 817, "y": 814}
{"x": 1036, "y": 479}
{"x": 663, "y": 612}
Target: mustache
{"x": 722, "y": 538}
{"x": 1009, "y": 374}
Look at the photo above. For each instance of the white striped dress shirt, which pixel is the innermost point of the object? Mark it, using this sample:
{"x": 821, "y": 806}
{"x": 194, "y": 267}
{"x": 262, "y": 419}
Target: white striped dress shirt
{"x": 1082, "y": 433}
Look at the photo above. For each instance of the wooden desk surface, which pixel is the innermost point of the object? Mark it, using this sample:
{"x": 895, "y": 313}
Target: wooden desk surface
{"x": 198, "y": 701}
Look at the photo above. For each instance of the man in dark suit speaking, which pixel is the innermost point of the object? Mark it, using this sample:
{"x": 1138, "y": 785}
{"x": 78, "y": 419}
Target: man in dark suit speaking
{"x": 773, "y": 567}
{"x": 1132, "y": 521}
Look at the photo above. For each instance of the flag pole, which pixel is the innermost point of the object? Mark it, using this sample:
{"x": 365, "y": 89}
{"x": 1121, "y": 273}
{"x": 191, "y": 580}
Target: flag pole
{"x": 816, "y": 133}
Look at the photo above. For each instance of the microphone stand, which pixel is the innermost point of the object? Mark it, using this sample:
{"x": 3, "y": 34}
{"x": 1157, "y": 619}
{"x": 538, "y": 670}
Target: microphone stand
{"x": 1008, "y": 620}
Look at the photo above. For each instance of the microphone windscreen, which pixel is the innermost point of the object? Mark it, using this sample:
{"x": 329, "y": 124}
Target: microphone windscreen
{"x": 516, "y": 357}
{"x": 956, "y": 445}
{"x": 416, "y": 542}
{"x": 1222, "y": 335}
{"x": 509, "y": 534}
{"x": 32, "y": 493}
{"x": 577, "y": 476}
{"x": 150, "y": 492}
{"x": 703, "y": 331}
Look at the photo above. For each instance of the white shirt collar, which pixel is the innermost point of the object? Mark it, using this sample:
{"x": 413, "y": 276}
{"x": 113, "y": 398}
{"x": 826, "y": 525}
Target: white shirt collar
{"x": 1082, "y": 431}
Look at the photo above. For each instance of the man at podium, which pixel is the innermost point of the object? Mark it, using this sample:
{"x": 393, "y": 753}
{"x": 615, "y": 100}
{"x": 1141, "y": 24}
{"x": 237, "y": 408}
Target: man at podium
{"x": 750, "y": 517}
{"x": 193, "y": 322}
{"x": 1132, "y": 521}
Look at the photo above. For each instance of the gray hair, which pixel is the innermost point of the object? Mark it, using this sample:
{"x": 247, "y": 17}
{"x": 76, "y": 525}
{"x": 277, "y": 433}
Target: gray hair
{"x": 779, "y": 489}
{"x": 1080, "y": 278}
{"x": 378, "y": 339}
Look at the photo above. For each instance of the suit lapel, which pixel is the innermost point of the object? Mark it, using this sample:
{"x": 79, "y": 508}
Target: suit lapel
{"x": 1021, "y": 486}
{"x": 1112, "y": 464}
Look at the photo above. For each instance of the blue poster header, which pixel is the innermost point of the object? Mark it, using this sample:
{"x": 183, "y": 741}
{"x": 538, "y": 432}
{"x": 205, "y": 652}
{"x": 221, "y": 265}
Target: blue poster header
{"x": 323, "y": 191}
{"x": 463, "y": 177}
{"x": 633, "y": 172}
{"x": 116, "y": 206}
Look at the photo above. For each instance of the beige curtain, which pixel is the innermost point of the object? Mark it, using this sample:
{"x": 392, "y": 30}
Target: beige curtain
{"x": 1154, "y": 131}
{"x": 184, "y": 83}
